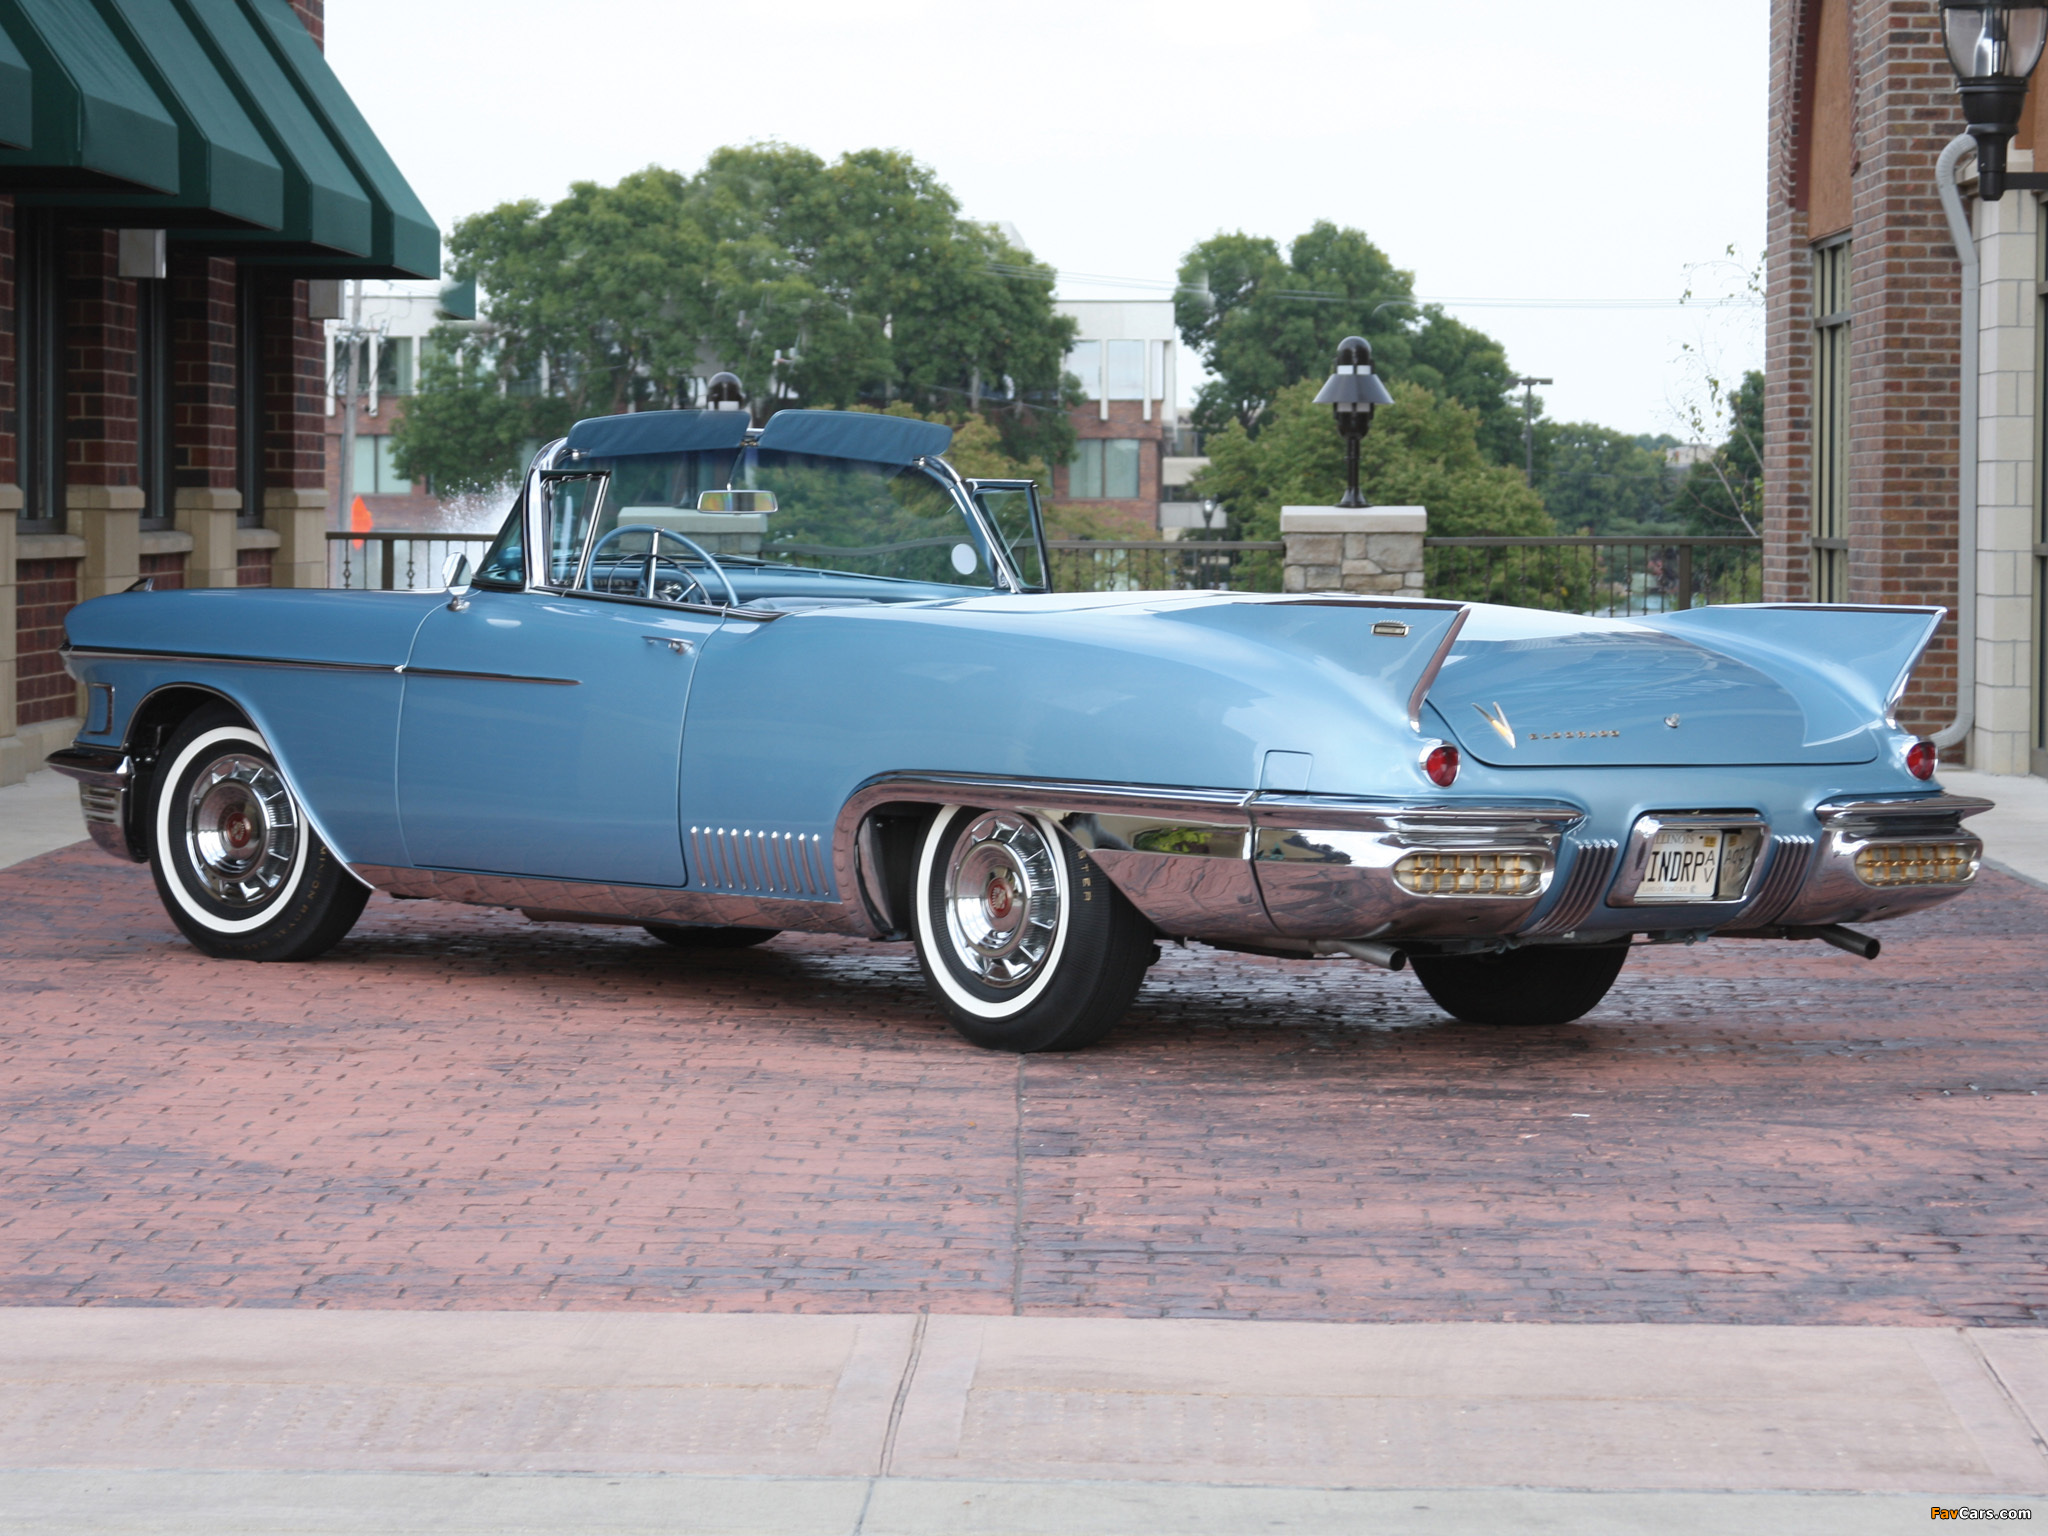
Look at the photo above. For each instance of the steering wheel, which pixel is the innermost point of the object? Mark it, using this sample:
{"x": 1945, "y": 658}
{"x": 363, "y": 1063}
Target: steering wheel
{"x": 654, "y": 560}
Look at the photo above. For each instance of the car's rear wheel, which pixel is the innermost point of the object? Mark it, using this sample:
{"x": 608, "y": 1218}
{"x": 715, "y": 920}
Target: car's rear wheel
{"x": 1552, "y": 984}
{"x": 1024, "y": 942}
{"x": 239, "y": 868}
{"x": 686, "y": 936}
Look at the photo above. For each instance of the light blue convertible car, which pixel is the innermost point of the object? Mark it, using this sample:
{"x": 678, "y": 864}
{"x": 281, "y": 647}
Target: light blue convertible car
{"x": 722, "y": 681}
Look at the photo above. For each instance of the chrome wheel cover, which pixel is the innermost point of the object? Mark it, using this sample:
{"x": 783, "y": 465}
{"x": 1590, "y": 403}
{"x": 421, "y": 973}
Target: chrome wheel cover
{"x": 1002, "y": 901}
{"x": 241, "y": 830}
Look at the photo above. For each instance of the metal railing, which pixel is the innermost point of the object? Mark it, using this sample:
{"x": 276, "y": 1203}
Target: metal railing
{"x": 397, "y": 561}
{"x": 1165, "y": 565}
{"x": 1613, "y": 577}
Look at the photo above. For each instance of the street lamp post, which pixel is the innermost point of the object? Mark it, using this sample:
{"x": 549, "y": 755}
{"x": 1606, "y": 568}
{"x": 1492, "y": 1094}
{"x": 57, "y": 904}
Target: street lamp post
{"x": 1993, "y": 46}
{"x": 1528, "y": 388}
{"x": 1352, "y": 392}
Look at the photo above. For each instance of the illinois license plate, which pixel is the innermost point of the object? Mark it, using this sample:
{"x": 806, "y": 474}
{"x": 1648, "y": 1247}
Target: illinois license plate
{"x": 1684, "y": 864}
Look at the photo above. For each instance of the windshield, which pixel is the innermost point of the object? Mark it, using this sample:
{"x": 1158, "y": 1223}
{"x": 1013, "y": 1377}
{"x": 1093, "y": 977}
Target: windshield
{"x": 839, "y": 517}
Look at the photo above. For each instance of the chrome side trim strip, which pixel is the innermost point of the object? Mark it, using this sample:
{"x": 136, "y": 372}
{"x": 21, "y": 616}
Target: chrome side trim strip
{"x": 401, "y": 670}
{"x": 1583, "y": 888}
{"x": 567, "y": 899}
{"x": 1886, "y": 808}
{"x": 1436, "y": 664}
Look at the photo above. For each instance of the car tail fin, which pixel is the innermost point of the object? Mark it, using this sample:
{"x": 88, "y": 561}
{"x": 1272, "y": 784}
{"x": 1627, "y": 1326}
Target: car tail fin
{"x": 1866, "y": 653}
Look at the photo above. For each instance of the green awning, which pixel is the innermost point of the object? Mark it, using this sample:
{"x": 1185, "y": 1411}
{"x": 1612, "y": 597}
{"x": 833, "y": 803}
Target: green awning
{"x": 96, "y": 121}
{"x": 16, "y": 90}
{"x": 226, "y": 172}
{"x": 404, "y": 240}
{"x": 326, "y": 210}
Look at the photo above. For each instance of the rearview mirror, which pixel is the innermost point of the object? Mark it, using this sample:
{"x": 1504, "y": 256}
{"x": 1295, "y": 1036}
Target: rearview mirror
{"x": 735, "y": 501}
{"x": 455, "y": 577}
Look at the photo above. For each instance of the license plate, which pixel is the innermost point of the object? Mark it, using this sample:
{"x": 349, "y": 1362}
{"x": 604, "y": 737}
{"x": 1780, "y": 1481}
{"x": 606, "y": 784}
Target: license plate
{"x": 1684, "y": 864}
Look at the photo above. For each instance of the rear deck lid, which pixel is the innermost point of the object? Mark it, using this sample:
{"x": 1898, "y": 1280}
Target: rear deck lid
{"x": 1525, "y": 689}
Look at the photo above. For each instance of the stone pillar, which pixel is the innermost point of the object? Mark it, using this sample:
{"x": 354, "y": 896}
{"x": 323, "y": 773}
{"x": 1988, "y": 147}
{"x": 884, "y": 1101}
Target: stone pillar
{"x": 109, "y": 519}
{"x": 299, "y": 518}
{"x": 208, "y": 516}
{"x": 1373, "y": 551}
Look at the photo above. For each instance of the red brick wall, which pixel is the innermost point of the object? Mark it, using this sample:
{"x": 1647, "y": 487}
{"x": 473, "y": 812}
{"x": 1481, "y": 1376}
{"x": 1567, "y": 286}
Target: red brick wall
{"x": 1904, "y": 332}
{"x": 99, "y": 360}
{"x": 203, "y": 370}
{"x": 252, "y": 568}
{"x": 168, "y": 571}
{"x": 295, "y": 404}
{"x": 1127, "y": 420}
{"x": 314, "y": 14}
{"x": 46, "y": 591}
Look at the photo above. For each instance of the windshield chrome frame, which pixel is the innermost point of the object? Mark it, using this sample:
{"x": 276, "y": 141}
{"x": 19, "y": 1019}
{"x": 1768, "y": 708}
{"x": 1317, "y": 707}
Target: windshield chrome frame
{"x": 556, "y": 457}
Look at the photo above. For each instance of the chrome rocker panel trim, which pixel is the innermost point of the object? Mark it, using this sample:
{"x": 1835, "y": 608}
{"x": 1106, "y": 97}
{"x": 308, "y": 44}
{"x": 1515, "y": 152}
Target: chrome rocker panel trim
{"x": 1245, "y": 867}
{"x": 569, "y": 901}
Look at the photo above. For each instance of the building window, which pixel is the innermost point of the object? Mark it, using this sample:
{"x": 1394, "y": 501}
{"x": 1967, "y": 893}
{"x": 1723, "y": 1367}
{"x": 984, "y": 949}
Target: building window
{"x": 376, "y": 474}
{"x": 39, "y": 389}
{"x": 394, "y": 366}
{"x": 1831, "y": 422}
{"x": 155, "y": 442}
{"x": 1119, "y": 369}
{"x": 1104, "y": 469}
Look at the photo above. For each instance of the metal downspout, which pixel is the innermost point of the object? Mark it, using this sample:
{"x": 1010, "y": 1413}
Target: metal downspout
{"x": 1958, "y": 730}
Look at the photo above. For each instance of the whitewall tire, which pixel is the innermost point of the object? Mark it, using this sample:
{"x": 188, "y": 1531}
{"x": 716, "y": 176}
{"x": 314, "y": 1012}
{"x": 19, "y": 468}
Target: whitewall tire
{"x": 1023, "y": 940}
{"x": 238, "y": 867}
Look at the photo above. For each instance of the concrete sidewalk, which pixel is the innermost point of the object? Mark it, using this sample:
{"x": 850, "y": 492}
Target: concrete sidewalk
{"x": 134, "y": 1420}
{"x": 37, "y": 816}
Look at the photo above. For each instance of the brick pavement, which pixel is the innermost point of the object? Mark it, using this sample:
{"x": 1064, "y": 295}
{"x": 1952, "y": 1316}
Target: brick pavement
{"x": 460, "y": 1109}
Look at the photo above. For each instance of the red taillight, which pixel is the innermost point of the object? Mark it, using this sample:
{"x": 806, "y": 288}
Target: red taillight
{"x": 1921, "y": 759}
{"x": 1442, "y": 766}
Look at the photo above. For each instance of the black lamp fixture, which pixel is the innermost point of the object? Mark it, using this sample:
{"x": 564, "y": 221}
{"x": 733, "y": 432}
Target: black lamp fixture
{"x": 725, "y": 393}
{"x": 1352, "y": 392}
{"x": 1993, "y": 46}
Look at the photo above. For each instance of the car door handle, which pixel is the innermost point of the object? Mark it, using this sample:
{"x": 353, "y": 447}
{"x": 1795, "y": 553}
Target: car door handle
{"x": 679, "y": 647}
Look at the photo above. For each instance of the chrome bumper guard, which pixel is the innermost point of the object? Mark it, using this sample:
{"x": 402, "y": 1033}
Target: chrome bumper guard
{"x": 104, "y": 775}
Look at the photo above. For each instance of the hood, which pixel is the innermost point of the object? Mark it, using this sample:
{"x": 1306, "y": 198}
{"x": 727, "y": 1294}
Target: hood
{"x": 1524, "y": 689}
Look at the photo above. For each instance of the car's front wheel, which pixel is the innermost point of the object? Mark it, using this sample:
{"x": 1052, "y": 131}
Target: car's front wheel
{"x": 1024, "y": 942}
{"x": 239, "y": 868}
{"x": 1552, "y": 984}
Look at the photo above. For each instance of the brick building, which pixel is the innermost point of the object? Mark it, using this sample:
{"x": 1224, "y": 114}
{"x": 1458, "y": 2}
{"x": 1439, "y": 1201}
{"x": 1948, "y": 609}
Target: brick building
{"x": 1134, "y": 456}
{"x": 182, "y": 185}
{"x": 1863, "y": 413}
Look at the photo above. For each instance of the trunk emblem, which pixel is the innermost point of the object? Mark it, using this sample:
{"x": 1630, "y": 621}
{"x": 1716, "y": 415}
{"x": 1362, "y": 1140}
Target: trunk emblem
{"x": 1498, "y": 719}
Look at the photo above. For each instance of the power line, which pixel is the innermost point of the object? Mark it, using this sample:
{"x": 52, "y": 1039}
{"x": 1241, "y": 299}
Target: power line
{"x": 1321, "y": 296}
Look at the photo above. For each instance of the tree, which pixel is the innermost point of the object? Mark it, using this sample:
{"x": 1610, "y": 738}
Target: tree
{"x": 1724, "y": 493}
{"x": 1598, "y": 480}
{"x": 464, "y": 433}
{"x": 1422, "y": 451}
{"x": 1260, "y": 323}
{"x": 854, "y": 282}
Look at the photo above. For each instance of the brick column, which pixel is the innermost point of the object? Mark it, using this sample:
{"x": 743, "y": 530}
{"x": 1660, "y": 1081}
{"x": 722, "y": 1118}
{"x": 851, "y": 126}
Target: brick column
{"x": 299, "y": 519}
{"x": 109, "y": 519}
{"x": 1375, "y": 551}
{"x": 12, "y": 771}
{"x": 295, "y": 437}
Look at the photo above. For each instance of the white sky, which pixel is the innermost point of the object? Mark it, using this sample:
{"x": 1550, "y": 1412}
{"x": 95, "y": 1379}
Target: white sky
{"x": 1540, "y": 154}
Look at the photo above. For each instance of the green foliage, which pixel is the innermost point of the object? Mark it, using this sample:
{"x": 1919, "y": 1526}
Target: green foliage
{"x": 1597, "y": 480}
{"x": 1260, "y": 323}
{"x": 1422, "y": 451}
{"x": 1725, "y": 493}
{"x": 853, "y": 282}
{"x": 463, "y": 433}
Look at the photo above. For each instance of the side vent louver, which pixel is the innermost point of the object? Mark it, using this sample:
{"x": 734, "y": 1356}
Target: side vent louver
{"x": 764, "y": 863}
{"x": 1582, "y": 888}
{"x": 1781, "y": 885}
